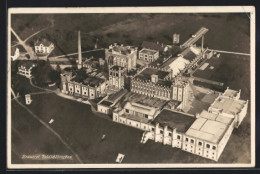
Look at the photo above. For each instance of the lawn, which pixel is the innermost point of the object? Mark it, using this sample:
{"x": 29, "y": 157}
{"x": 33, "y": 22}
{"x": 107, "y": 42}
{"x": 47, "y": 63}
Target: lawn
{"x": 133, "y": 29}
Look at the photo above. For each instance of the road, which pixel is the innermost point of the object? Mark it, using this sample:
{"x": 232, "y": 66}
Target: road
{"x": 75, "y": 53}
{"x": 230, "y": 52}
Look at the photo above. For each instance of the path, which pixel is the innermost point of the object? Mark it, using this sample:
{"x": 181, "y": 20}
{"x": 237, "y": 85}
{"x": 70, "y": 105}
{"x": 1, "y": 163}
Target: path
{"x": 75, "y": 53}
{"x": 230, "y": 52}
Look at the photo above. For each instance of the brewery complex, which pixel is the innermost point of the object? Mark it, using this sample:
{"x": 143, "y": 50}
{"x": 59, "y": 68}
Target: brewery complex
{"x": 174, "y": 100}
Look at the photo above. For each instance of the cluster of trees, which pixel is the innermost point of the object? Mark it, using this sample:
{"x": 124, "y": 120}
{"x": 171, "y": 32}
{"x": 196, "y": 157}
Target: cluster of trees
{"x": 44, "y": 74}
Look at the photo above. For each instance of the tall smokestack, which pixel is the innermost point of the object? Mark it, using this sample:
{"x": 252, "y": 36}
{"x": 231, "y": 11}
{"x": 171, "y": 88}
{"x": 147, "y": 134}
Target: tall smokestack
{"x": 79, "y": 51}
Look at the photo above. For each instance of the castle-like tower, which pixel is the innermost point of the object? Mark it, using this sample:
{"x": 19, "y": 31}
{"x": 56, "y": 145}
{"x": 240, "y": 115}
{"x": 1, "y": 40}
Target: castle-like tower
{"x": 116, "y": 77}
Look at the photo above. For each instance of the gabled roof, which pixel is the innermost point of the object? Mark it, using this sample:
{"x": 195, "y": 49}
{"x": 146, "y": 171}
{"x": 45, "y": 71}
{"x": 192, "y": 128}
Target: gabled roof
{"x": 153, "y": 46}
{"x": 189, "y": 53}
{"x": 45, "y": 42}
{"x": 173, "y": 120}
{"x": 27, "y": 64}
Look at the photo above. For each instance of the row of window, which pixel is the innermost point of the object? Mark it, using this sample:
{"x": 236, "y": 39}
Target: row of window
{"x": 200, "y": 143}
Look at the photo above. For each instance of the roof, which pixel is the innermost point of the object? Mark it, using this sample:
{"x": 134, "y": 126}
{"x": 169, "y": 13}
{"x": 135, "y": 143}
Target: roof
{"x": 27, "y": 64}
{"x": 44, "y": 41}
{"x": 219, "y": 118}
{"x": 177, "y": 120}
{"x": 208, "y": 130}
{"x": 153, "y": 46}
{"x": 188, "y": 54}
{"x": 106, "y": 103}
{"x": 116, "y": 67}
{"x": 174, "y": 50}
{"x": 228, "y": 105}
{"x": 146, "y": 75}
{"x": 91, "y": 81}
{"x": 230, "y": 93}
{"x": 119, "y": 94}
{"x": 135, "y": 118}
{"x": 145, "y": 100}
{"x": 148, "y": 51}
{"x": 140, "y": 108}
{"x": 124, "y": 50}
{"x": 176, "y": 65}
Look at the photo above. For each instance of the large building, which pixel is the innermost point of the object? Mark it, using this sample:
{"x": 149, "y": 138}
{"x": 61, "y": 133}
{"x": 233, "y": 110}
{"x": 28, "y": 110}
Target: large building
{"x": 205, "y": 134}
{"x": 158, "y": 83}
{"x": 123, "y": 56}
{"x": 43, "y": 47}
{"x": 90, "y": 86}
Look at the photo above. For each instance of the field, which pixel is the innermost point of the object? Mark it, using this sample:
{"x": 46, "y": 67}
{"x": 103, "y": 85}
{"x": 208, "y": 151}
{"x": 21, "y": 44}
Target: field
{"x": 133, "y": 29}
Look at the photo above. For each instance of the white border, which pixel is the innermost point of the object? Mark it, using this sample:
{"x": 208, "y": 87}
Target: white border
{"x": 186, "y": 9}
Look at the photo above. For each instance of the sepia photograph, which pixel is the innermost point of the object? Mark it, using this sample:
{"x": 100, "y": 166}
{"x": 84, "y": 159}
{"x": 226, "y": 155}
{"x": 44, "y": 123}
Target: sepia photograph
{"x": 131, "y": 87}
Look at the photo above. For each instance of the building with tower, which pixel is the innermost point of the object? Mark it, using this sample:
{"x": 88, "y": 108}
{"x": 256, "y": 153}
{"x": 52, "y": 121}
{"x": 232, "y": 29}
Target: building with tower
{"x": 123, "y": 56}
{"x": 117, "y": 77}
{"x": 158, "y": 83}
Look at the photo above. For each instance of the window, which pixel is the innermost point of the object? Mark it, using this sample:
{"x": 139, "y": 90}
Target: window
{"x": 137, "y": 125}
{"x": 126, "y": 110}
{"x": 200, "y": 143}
{"x": 144, "y": 127}
{"x": 213, "y": 153}
{"x": 192, "y": 141}
{"x": 187, "y": 139}
{"x": 191, "y": 146}
{"x": 92, "y": 95}
{"x": 214, "y": 147}
{"x": 77, "y": 91}
{"x": 208, "y": 146}
{"x": 152, "y": 129}
{"x": 130, "y": 123}
{"x": 145, "y": 115}
{"x": 161, "y": 132}
{"x": 170, "y": 134}
{"x": 178, "y": 137}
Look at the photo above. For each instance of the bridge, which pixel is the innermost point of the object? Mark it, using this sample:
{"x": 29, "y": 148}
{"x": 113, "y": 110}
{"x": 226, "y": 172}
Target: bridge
{"x": 202, "y": 31}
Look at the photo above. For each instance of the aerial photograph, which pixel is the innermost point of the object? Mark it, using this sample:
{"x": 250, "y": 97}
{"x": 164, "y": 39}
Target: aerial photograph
{"x": 130, "y": 88}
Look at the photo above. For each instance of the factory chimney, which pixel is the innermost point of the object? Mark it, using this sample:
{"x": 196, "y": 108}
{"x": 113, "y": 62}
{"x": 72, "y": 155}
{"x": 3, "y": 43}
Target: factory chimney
{"x": 79, "y": 51}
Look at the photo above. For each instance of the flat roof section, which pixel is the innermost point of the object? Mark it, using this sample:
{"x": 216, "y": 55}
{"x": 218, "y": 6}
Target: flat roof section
{"x": 228, "y": 105}
{"x": 208, "y": 130}
{"x": 117, "y": 95}
{"x": 230, "y": 93}
{"x": 219, "y": 118}
{"x": 173, "y": 119}
{"x": 106, "y": 103}
{"x": 148, "y": 51}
